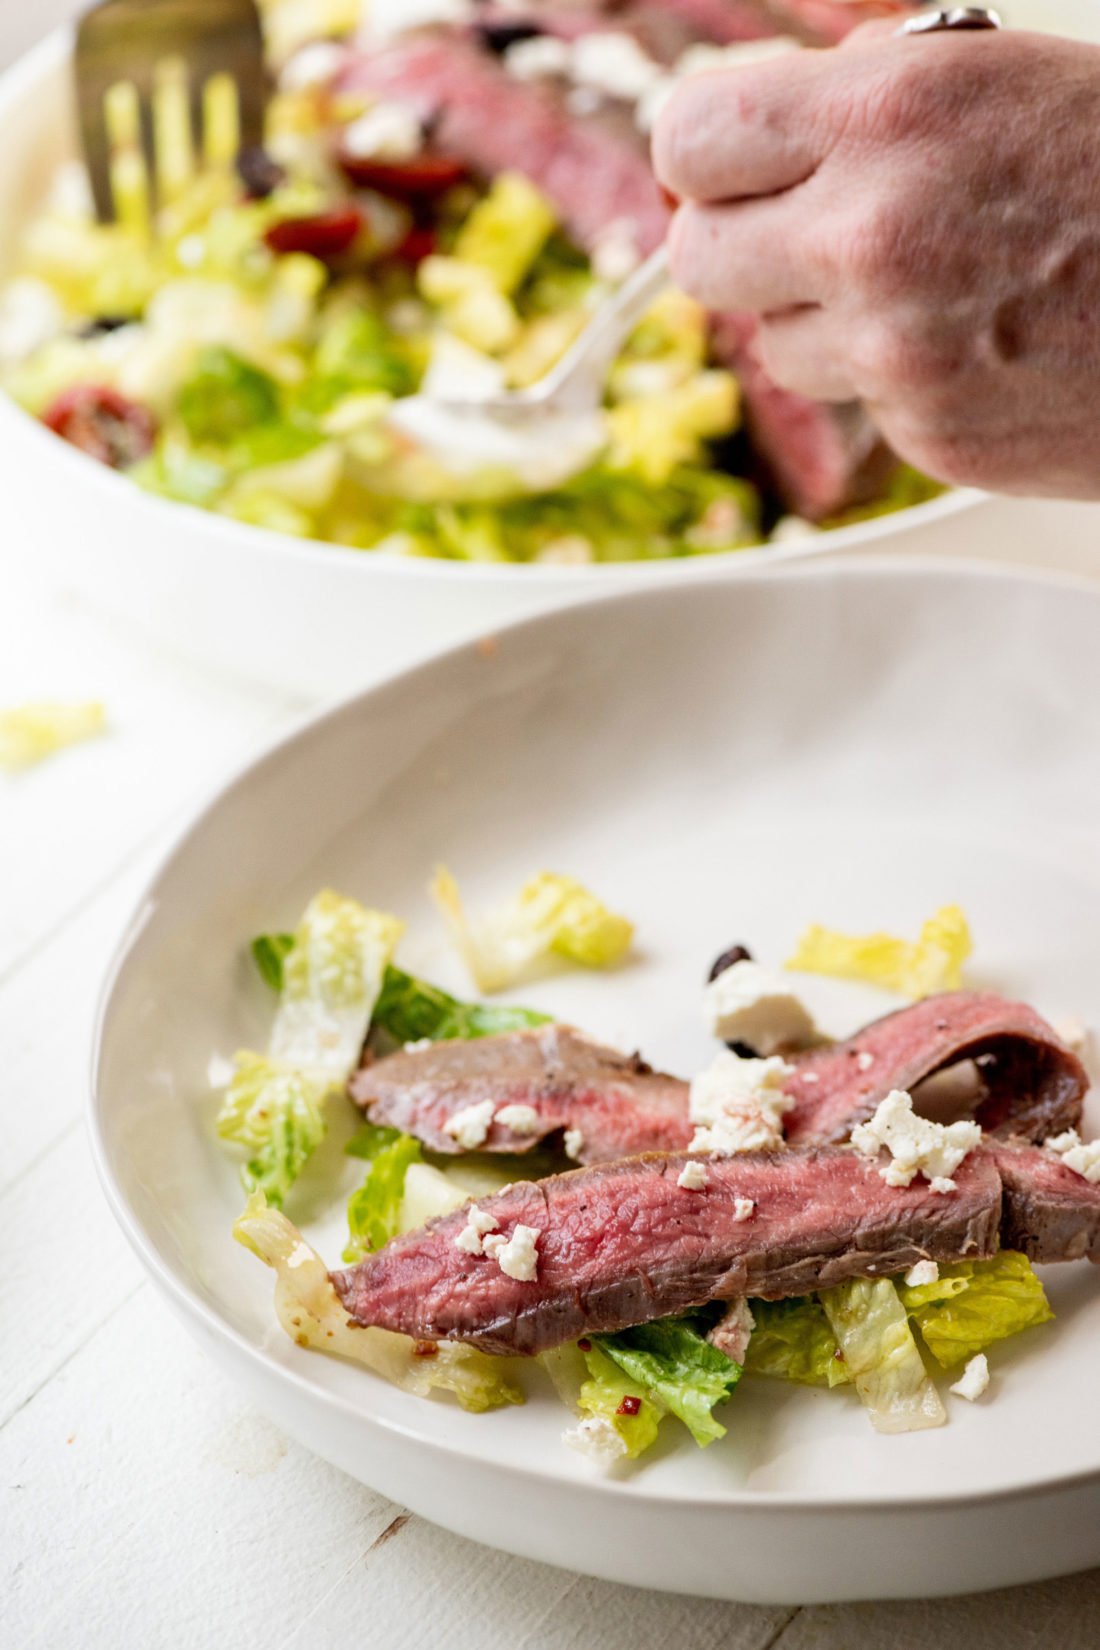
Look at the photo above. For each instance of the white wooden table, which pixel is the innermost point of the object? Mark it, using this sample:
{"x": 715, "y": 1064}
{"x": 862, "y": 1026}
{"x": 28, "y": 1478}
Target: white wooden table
{"x": 142, "y": 1502}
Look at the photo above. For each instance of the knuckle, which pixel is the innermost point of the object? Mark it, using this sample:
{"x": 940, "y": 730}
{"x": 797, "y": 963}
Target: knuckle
{"x": 891, "y": 360}
{"x": 878, "y": 248}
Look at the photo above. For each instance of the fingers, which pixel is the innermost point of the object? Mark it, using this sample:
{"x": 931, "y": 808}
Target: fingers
{"x": 805, "y": 351}
{"x": 756, "y": 130}
{"x": 753, "y": 255}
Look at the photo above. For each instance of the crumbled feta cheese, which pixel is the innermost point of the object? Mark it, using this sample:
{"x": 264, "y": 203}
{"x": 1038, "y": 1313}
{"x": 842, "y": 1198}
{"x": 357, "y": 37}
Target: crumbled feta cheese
{"x": 733, "y": 1330}
{"x": 596, "y": 1438}
{"x": 30, "y": 315}
{"x": 1073, "y": 1032}
{"x": 693, "y": 1176}
{"x": 616, "y": 254}
{"x": 614, "y": 64}
{"x": 749, "y": 1004}
{"x": 516, "y": 1256}
{"x": 974, "y": 1379}
{"x": 520, "y": 1119}
{"x": 418, "y": 1045}
{"x": 573, "y": 1143}
{"x": 743, "y": 1208}
{"x": 1083, "y": 1157}
{"x": 389, "y": 131}
{"x": 478, "y": 1223}
{"x": 793, "y": 530}
{"x": 737, "y": 1105}
{"x": 865, "y": 1060}
{"x": 470, "y": 1126}
{"x": 538, "y": 58}
{"x": 314, "y": 65}
{"x": 916, "y": 1145}
{"x": 925, "y": 1271}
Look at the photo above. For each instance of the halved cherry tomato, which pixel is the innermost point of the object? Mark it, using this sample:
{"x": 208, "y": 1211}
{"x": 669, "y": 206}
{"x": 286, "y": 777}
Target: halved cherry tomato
{"x": 419, "y": 243}
{"x": 102, "y": 423}
{"x": 423, "y": 179}
{"x": 323, "y": 236}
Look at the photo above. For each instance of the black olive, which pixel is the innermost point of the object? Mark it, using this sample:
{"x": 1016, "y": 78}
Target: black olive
{"x": 743, "y": 1051}
{"x": 104, "y": 323}
{"x": 497, "y": 37}
{"x": 735, "y": 954}
{"x": 260, "y": 174}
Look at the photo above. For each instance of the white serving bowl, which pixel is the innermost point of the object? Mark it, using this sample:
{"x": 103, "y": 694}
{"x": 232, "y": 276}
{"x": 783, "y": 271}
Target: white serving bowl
{"x": 847, "y": 744}
{"x": 320, "y": 618}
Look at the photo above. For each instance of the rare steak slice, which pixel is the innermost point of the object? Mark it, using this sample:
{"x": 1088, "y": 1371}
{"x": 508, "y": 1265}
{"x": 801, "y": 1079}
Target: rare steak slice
{"x": 595, "y": 169}
{"x": 1050, "y": 1212}
{"x": 1032, "y": 1084}
{"x": 614, "y": 1102}
{"x": 624, "y": 1243}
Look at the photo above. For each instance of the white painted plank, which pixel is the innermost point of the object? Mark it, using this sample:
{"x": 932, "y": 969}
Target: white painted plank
{"x": 66, "y": 1268}
{"x": 1051, "y": 1614}
{"x": 71, "y": 822}
{"x": 146, "y": 1504}
{"x": 47, "y": 1012}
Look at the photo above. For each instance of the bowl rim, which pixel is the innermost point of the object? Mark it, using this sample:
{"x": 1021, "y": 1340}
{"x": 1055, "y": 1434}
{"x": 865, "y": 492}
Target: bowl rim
{"x": 206, "y": 1319}
{"x": 46, "y": 60}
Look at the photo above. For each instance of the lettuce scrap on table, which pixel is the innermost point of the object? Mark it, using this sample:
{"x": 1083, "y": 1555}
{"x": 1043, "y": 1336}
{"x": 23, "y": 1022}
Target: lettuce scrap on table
{"x": 30, "y": 733}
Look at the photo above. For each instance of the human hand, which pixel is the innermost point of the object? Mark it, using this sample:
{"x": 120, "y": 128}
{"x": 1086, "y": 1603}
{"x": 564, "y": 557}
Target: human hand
{"x": 917, "y": 222}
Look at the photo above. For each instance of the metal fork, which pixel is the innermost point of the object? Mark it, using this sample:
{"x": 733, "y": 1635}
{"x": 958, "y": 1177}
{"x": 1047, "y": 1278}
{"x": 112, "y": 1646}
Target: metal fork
{"x": 172, "y": 56}
{"x": 576, "y": 383}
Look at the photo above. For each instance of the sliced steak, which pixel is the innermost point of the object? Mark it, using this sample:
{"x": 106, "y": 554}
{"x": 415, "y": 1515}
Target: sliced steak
{"x": 596, "y": 171}
{"x": 617, "y": 1103}
{"x": 623, "y": 1243}
{"x": 1050, "y": 1212}
{"x": 1034, "y": 1086}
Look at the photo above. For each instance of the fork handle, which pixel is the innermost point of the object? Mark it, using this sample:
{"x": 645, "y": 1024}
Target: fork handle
{"x": 591, "y": 355}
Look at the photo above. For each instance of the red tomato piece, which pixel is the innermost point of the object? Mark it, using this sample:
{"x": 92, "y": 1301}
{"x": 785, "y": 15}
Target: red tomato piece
{"x": 102, "y": 423}
{"x": 424, "y": 178}
{"x": 418, "y": 244}
{"x": 324, "y": 236}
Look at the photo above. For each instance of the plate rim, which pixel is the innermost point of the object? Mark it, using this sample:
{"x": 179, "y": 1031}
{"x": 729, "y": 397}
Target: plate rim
{"x": 203, "y": 1317}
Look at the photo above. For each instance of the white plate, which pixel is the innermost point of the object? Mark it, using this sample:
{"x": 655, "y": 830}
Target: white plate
{"x": 319, "y": 618}
{"x": 725, "y": 763}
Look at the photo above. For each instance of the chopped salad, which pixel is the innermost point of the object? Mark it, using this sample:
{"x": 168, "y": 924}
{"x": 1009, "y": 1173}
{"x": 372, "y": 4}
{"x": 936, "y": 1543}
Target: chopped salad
{"x": 468, "y": 1113}
{"x": 242, "y": 348}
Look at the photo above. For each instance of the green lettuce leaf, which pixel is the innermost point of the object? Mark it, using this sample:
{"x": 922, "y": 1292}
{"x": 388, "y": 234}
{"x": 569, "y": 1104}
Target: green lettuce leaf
{"x": 409, "y": 1010}
{"x": 276, "y": 1112}
{"x": 374, "y": 1211}
{"x": 226, "y": 397}
{"x": 332, "y": 977}
{"x": 882, "y": 1358}
{"x": 313, "y": 1315}
{"x": 974, "y": 1303}
{"x": 673, "y": 1362}
{"x": 793, "y": 1341}
{"x": 603, "y": 1394}
{"x": 269, "y": 952}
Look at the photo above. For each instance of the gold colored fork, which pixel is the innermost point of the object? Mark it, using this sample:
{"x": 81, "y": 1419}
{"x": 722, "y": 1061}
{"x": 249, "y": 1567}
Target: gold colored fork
{"x": 159, "y": 82}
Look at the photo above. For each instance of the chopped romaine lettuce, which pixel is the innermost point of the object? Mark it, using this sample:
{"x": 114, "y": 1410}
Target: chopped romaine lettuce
{"x": 374, "y": 1211}
{"x": 974, "y": 1303}
{"x": 882, "y": 1358}
{"x": 409, "y": 1010}
{"x": 619, "y": 1398}
{"x": 311, "y": 1312}
{"x": 329, "y": 974}
{"x": 358, "y": 352}
{"x": 793, "y": 1341}
{"x": 269, "y": 951}
{"x": 550, "y": 914}
{"x": 226, "y": 397}
{"x": 913, "y": 968}
{"x": 29, "y": 733}
{"x": 276, "y": 1111}
{"x": 506, "y": 231}
{"x": 332, "y": 977}
{"x": 673, "y": 1362}
{"x": 428, "y": 1193}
